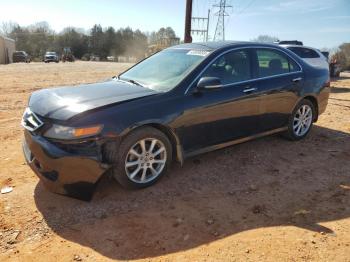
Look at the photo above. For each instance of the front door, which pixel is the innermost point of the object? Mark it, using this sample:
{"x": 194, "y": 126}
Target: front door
{"x": 231, "y": 112}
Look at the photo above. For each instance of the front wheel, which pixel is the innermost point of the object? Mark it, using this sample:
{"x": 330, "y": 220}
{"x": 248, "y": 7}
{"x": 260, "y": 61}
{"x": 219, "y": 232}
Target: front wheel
{"x": 301, "y": 120}
{"x": 142, "y": 158}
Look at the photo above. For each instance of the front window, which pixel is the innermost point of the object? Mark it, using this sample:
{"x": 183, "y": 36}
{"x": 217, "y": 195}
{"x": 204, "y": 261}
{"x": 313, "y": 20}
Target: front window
{"x": 231, "y": 68}
{"x": 166, "y": 69}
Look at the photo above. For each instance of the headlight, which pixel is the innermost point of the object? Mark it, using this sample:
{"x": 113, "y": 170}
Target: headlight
{"x": 66, "y": 132}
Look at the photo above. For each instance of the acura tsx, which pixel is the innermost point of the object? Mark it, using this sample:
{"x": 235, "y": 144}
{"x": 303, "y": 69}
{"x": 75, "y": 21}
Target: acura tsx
{"x": 182, "y": 101}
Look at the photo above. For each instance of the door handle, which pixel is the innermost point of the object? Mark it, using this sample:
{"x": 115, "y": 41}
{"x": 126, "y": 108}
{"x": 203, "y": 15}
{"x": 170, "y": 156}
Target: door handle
{"x": 298, "y": 79}
{"x": 248, "y": 90}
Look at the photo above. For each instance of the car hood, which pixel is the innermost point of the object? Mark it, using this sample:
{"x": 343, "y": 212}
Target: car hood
{"x": 65, "y": 102}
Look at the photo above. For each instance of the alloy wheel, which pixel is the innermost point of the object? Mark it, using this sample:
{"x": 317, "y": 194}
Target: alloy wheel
{"x": 302, "y": 120}
{"x": 145, "y": 160}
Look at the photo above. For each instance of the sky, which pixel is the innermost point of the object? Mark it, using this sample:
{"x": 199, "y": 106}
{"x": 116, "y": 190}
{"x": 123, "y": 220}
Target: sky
{"x": 318, "y": 23}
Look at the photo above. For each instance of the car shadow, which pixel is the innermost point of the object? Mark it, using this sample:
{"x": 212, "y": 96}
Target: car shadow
{"x": 263, "y": 183}
{"x": 337, "y": 89}
{"x": 341, "y": 77}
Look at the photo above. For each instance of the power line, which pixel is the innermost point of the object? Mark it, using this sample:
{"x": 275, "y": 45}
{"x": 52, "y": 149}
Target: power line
{"x": 246, "y": 7}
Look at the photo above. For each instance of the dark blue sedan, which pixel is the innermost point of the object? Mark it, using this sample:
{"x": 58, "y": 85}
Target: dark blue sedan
{"x": 182, "y": 101}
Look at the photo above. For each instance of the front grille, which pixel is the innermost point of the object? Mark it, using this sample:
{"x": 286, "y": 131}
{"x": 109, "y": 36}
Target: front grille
{"x": 30, "y": 120}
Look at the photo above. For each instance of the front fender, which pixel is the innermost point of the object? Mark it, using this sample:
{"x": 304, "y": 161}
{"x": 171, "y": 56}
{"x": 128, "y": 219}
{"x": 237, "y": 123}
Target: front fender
{"x": 166, "y": 129}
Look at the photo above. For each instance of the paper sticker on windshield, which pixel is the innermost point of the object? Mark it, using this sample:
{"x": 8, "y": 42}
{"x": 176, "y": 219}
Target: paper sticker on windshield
{"x": 198, "y": 52}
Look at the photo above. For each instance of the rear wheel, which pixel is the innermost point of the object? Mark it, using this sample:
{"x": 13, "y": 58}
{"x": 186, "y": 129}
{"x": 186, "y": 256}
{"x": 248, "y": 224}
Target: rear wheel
{"x": 301, "y": 120}
{"x": 142, "y": 158}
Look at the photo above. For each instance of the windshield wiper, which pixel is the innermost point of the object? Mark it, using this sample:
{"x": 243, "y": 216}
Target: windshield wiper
{"x": 132, "y": 81}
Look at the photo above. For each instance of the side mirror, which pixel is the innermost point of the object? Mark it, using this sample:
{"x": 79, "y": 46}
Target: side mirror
{"x": 209, "y": 83}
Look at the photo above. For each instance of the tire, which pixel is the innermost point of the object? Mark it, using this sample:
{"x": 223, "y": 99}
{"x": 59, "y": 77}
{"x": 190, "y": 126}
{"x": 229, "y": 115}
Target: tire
{"x": 292, "y": 132}
{"x": 122, "y": 156}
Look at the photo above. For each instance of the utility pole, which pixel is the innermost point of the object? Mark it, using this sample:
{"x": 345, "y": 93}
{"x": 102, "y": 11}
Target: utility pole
{"x": 221, "y": 14}
{"x": 203, "y": 26}
{"x": 207, "y": 38}
{"x": 188, "y": 21}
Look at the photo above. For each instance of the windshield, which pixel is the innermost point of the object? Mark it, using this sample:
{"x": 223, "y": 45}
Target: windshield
{"x": 50, "y": 53}
{"x": 164, "y": 70}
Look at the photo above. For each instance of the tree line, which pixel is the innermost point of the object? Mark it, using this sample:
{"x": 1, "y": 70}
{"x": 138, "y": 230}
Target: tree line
{"x": 39, "y": 38}
{"x": 342, "y": 56}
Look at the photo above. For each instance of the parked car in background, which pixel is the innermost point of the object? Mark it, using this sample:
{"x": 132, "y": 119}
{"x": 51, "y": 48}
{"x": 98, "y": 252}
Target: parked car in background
{"x": 21, "y": 56}
{"x": 180, "y": 102}
{"x": 67, "y": 55}
{"x": 326, "y": 54}
{"x": 289, "y": 42}
{"x": 310, "y": 55}
{"x": 111, "y": 58}
{"x": 95, "y": 58}
{"x": 335, "y": 68}
{"x": 51, "y": 57}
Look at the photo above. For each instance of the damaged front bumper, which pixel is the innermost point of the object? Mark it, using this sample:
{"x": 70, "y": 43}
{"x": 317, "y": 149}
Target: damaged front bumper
{"x": 62, "y": 171}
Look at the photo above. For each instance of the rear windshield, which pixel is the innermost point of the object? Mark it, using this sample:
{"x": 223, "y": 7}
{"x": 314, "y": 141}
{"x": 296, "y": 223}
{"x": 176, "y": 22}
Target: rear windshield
{"x": 303, "y": 52}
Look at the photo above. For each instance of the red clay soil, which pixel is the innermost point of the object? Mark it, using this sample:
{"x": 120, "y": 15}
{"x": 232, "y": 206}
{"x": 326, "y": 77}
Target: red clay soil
{"x": 264, "y": 200}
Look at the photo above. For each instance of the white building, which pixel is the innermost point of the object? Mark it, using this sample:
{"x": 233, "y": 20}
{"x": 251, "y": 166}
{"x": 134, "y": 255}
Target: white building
{"x": 7, "y": 47}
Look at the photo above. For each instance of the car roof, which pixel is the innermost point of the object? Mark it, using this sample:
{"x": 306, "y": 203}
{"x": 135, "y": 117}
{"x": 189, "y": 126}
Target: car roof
{"x": 220, "y": 45}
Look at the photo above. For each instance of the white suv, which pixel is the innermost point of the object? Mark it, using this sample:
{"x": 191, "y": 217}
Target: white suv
{"x": 310, "y": 55}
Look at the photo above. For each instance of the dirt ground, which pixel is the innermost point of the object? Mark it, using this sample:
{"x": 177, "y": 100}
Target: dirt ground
{"x": 265, "y": 200}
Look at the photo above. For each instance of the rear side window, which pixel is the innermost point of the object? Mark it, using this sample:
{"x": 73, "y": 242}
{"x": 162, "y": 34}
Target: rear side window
{"x": 231, "y": 68}
{"x": 303, "y": 52}
{"x": 272, "y": 62}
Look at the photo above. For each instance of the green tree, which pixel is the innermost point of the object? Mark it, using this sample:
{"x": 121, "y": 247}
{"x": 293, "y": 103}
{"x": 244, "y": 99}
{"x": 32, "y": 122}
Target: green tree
{"x": 22, "y": 36}
{"x": 139, "y": 44}
{"x": 342, "y": 56}
{"x": 96, "y": 40}
{"x": 163, "y": 33}
{"x": 39, "y": 38}
{"x": 110, "y": 45}
{"x": 77, "y": 41}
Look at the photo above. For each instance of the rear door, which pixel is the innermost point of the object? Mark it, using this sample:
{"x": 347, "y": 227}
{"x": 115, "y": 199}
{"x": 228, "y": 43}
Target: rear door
{"x": 279, "y": 81}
